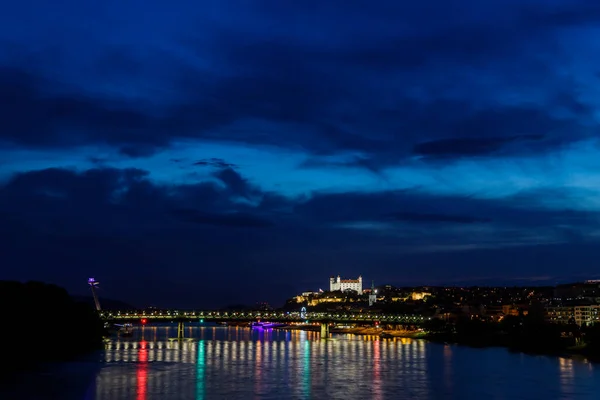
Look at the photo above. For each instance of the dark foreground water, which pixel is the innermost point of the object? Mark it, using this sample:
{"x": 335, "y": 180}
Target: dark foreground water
{"x": 240, "y": 363}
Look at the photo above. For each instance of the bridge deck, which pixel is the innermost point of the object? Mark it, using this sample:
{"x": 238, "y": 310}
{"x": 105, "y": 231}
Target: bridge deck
{"x": 175, "y": 315}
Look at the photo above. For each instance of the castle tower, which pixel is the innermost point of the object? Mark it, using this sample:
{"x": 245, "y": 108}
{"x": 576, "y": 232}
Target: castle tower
{"x": 335, "y": 283}
{"x": 373, "y": 294}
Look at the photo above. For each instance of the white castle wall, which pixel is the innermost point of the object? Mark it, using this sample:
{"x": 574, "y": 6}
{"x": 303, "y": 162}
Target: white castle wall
{"x": 337, "y": 283}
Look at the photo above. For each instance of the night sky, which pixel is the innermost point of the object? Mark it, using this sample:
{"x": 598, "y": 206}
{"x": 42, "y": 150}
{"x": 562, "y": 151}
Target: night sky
{"x": 199, "y": 154}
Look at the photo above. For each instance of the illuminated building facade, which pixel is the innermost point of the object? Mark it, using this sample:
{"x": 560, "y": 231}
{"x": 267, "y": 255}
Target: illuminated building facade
{"x": 337, "y": 283}
{"x": 415, "y": 296}
{"x": 587, "y": 315}
{"x": 560, "y": 314}
{"x": 581, "y": 315}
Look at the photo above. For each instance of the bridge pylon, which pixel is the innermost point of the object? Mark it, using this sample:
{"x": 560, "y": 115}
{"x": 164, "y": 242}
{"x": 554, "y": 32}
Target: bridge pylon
{"x": 93, "y": 285}
{"x": 180, "y": 328}
{"x": 324, "y": 330}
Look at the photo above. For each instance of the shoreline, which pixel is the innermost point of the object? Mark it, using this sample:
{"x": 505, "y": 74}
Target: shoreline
{"x": 361, "y": 331}
{"x": 382, "y": 333}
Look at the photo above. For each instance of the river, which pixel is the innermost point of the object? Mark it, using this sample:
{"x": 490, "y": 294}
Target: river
{"x": 242, "y": 363}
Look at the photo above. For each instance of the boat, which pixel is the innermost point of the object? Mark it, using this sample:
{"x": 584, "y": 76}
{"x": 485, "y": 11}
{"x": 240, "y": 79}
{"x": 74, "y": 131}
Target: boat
{"x": 267, "y": 325}
{"x": 385, "y": 335}
{"x": 125, "y": 330}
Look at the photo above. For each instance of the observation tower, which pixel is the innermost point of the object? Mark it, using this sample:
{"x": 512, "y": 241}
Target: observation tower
{"x": 93, "y": 285}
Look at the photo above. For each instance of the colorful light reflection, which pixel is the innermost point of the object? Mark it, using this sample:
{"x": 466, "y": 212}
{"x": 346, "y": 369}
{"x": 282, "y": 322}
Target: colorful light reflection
{"x": 142, "y": 372}
{"x": 200, "y": 371}
{"x": 306, "y": 373}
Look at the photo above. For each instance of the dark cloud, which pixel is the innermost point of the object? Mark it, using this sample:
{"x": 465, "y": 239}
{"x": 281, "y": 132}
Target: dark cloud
{"x": 35, "y": 114}
{"x": 136, "y": 151}
{"x": 560, "y": 14}
{"x": 118, "y": 199}
{"x": 365, "y": 163}
{"x": 457, "y": 147}
{"x": 234, "y": 219}
{"x": 214, "y": 162}
{"x": 118, "y": 223}
{"x": 416, "y": 207}
{"x": 39, "y": 118}
{"x": 111, "y": 198}
{"x": 349, "y": 91}
{"x": 415, "y": 217}
{"x": 236, "y": 184}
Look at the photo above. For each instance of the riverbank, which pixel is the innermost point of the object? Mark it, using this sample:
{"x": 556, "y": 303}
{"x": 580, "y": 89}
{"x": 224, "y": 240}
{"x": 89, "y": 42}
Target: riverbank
{"x": 383, "y": 333}
{"x": 52, "y": 327}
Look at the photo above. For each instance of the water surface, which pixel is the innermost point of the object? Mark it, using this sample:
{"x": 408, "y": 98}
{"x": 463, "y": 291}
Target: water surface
{"x": 241, "y": 363}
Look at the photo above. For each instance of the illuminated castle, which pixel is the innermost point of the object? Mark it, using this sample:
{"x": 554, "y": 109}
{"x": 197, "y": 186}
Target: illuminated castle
{"x": 345, "y": 284}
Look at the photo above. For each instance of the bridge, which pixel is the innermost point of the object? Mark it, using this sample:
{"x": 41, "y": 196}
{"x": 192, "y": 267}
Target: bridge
{"x": 324, "y": 318}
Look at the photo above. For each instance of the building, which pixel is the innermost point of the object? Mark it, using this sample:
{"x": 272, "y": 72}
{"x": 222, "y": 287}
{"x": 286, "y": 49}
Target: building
{"x": 493, "y": 312}
{"x": 337, "y": 283}
{"x": 415, "y": 296}
{"x": 584, "y": 291}
{"x": 587, "y": 315}
{"x": 560, "y": 314}
{"x": 515, "y": 310}
{"x": 582, "y": 314}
